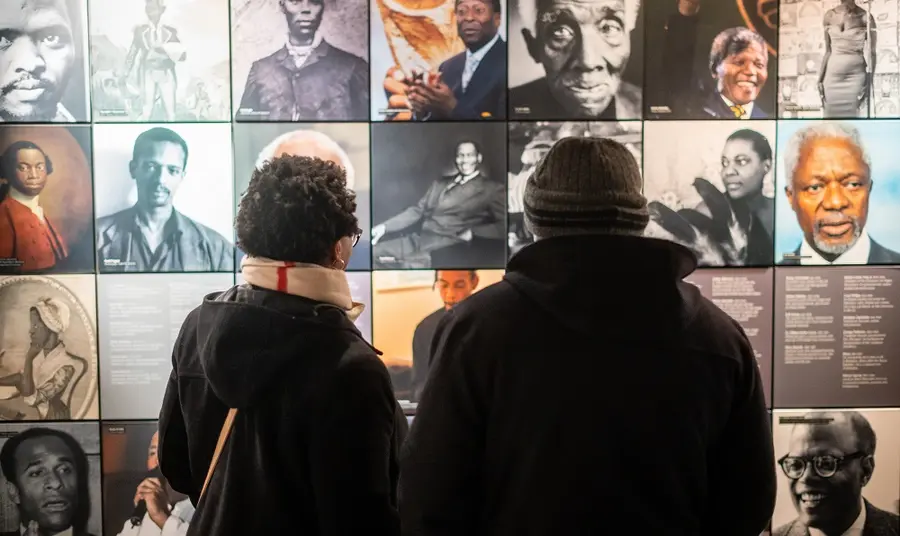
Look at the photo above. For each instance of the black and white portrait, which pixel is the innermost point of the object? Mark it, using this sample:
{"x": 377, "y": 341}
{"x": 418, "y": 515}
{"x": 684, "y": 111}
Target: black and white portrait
{"x": 529, "y": 142}
{"x": 300, "y": 60}
{"x": 838, "y": 472}
{"x": 708, "y": 59}
{"x": 46, "y": 199}
{"x": 576, "y": 59}
{"x": 160, "y": 60}
{"x": 137, "y": 498}
{"x": 43, "y": 61}
{"x": 346, "y": 144}
{"x": 48, "y": 348}
{"x": 438, "y": 195}
{"x": 163, "y": 198}
{"x": 710, "y": 187}
{"x": 50, "y": 482}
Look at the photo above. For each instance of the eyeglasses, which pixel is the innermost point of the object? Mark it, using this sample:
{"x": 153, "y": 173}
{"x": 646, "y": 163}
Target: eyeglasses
{"x": 355, "y": 237}
{"x": 825, "y": 466}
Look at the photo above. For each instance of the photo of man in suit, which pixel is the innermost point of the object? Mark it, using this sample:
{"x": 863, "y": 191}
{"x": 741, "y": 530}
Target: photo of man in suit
{"x": 472, "y": 84}
{"x": 46, "y": 474}
{"x": 454, "y": 286}
{"x": 829, "y": 185}
{"x": 29, "y": 241}
{"x": 308, "y": 78}
{"x": 584, "y": 48}
{"x": 738, "y": 65}
{"x": 456, "y": 210}
{"x": 830, "y": 460}
{"x": 151, "y": 235}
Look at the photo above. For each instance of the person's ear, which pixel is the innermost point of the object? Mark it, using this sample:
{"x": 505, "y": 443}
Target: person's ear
{"x": 13, "y": 492}
{"x": 868, "y": 467}
{"x": 767, "y": 165}
{"x": 531, "y": 42}
{"x": 789, "y": 193}
{"x": 131, "y": 168}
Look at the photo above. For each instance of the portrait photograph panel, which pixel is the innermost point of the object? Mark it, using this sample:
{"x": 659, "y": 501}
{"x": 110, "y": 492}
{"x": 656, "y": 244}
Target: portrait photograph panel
{"x": 48, "y": 348}
{"x": 839, "y": 193}
{"x": 346, "y": 144}
{"x": 838, "y": 471}
{"x": 46, "y": 199}
{"x": 710, "y": 187}
{"x": 142, "y": 315}
{"x": 160, "y": 60}
{"x": 44, "y": 62}
{"x": 708, "y": 59}
{"x": 163, "y": 198}
{"x": 137, "y": 498}
{"x": 69, "y": 450}
{"x": 438, "y": 61}
{"x": 529, "y": 142}
{"x": 839, "y": 59}
{"x": 293, "y": 60}
{"x": 571, "y": 60}
{"x": 407, "y": 307}
{"x": 438, "y": 196}
{"x": 836, "y": 342}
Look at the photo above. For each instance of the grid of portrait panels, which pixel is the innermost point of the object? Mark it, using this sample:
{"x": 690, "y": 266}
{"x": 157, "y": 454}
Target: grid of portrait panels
{"x": 766, "y": 131}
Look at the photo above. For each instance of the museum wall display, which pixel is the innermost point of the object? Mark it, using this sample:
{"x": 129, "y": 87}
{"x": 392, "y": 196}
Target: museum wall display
{"x": 766, "y": 132}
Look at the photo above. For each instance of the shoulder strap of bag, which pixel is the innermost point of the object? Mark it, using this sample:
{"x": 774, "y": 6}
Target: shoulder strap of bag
{"x": 223, "y": 437}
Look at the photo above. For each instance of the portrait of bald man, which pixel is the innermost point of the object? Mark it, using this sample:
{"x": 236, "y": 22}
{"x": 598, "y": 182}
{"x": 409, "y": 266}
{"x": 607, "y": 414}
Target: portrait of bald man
{"x": 829, "y": 460}
{"x": 345, "y": 144}
{"x": 42, "y": 61}
{"x": 829, "y": 182}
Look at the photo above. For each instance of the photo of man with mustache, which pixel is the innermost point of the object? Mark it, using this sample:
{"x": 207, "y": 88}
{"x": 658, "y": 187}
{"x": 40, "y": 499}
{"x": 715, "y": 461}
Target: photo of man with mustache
{"x": 829, "y": 184}
{"x": 40, "y": 54}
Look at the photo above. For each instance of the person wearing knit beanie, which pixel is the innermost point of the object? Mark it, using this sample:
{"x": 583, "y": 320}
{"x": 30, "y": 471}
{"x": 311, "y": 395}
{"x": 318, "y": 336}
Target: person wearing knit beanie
{"x": 586, "y": 186}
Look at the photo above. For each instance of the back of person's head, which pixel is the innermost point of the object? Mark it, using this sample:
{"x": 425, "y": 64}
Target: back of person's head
{"x": 586, "y": 186}
{"x": 297, "y": 209}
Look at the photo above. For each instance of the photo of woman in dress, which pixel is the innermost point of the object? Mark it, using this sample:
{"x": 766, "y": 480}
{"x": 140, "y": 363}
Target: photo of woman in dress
{"x": 845, "y": 78}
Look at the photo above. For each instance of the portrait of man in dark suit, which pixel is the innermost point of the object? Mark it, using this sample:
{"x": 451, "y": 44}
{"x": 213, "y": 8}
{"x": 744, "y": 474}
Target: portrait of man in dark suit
{"x": 738, "y": 65}
{"x": 584, "y": 48}
{"x": 472, "y": 84}
{"x": 831, "y": 459}
{"x": 151, "y": 235}
{"x": 460, "y": 220}
{"x": 47, "y": 478}
{"x": 829, "y": 184}
{"x": 308, "y": 78}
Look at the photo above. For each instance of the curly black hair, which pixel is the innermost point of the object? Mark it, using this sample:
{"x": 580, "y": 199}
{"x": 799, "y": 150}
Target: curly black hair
{"x": 295, "y": 209}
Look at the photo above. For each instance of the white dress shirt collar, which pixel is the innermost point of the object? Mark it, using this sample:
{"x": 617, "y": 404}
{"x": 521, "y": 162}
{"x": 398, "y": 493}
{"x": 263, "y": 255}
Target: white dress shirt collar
{"x": 858, "y": 254}
{"x": 748, "y": 108}
{"x": 30, "y": 202}
{"x": 856, "y": 529}
{"x": 479, "y": 54}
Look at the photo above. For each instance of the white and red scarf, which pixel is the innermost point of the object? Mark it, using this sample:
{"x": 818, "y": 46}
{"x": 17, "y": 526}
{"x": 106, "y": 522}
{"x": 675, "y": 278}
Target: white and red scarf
{"x": 310, "y": 281}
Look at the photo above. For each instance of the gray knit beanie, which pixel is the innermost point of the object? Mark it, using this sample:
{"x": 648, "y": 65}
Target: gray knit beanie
{"x": 586, "y": 186}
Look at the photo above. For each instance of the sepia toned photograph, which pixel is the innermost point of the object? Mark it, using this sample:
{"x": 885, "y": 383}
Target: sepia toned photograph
{"x": 839, "y": 59}
{"x": 710, "y": 187}
{"x": 73, "y": 504}
{"x": 438, "y": 61}
{"x": 438, "y": 196}
{"x": 298, "y": 60}
{"x": 346, "y": 144}
{"x": 48, "y": 348}
{"x": 530, "y": 142}
{"x": 44, "y": 62}
{"x": 838, "y": 193}
{"x": 838, "y": 472}
{"x": 408, "y": 305}
{"x": 143, "y": 314}
{"x": 572, "y": 60}
{"x": 163, "y": 198}
{"x": 708, "y": 59}
{"x": 46, "y": 199}
{"x": 160, "y": 60}
{"x": 137, "y": 498}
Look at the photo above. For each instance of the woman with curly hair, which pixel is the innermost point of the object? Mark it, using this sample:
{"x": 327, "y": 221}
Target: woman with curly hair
{"x": 312, "y": 428}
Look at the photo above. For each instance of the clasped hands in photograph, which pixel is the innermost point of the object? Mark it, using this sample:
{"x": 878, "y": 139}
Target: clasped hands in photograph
{"x": 424, "y": 93}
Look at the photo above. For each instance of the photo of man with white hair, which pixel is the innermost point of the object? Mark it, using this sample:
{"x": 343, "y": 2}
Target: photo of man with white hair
{"x": 50, "y": 373}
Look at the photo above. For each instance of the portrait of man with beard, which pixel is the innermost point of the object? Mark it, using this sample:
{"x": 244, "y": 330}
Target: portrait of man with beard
{"x": 829, "y": 184}
{"x": 585, "y": 51}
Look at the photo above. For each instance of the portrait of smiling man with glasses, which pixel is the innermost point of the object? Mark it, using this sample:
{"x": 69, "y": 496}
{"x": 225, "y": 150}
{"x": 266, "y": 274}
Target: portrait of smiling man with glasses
{"x": 831, "y": 458}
